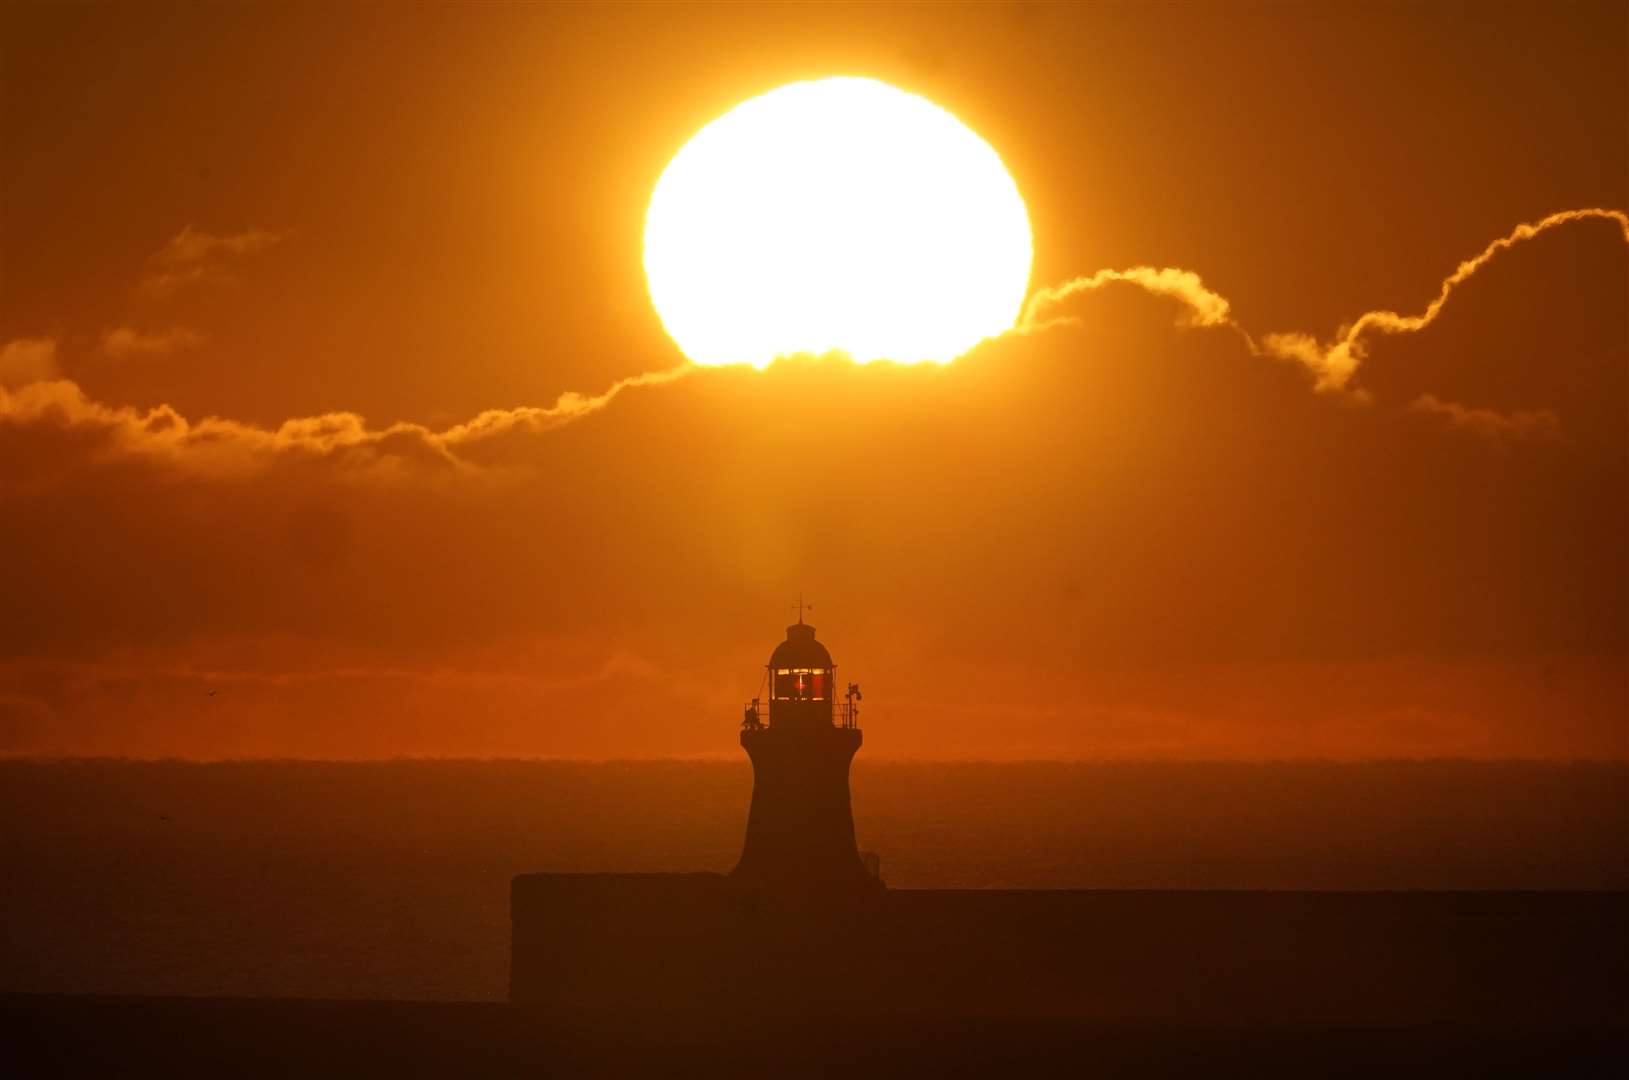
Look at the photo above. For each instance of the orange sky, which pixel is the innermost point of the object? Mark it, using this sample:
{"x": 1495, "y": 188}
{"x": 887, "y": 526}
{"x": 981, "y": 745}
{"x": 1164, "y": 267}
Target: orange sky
{"x": 377, "y": 246}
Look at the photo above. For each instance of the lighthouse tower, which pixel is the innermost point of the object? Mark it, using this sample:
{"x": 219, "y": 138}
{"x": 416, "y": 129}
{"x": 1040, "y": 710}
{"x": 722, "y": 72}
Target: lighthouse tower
{"x": 800, "y": 828}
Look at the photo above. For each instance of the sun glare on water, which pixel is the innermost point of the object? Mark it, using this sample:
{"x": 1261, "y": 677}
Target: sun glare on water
{"x": 840, "y": 214}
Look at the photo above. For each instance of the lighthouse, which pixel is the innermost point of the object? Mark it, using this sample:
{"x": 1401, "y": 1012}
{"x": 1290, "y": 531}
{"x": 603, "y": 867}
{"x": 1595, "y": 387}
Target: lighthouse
{"x": 800, "y": 825}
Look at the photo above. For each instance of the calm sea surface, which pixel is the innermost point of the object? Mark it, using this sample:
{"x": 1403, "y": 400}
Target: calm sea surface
{"x": 390, "y": 879}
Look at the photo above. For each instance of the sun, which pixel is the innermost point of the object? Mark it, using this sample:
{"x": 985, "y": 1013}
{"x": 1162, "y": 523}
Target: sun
{"x": 840, "y": 214}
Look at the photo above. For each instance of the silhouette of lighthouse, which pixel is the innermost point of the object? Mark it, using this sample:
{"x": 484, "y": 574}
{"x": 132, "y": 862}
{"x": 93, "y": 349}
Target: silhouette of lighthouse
{"x": 800, "y": 826}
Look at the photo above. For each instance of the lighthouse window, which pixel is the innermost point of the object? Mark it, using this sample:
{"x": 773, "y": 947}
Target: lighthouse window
{"x": 801, "y": 684}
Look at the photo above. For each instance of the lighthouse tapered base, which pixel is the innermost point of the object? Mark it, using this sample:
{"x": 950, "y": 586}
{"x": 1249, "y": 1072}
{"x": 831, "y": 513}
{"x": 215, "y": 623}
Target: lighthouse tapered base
{"x": 800, "y": 828}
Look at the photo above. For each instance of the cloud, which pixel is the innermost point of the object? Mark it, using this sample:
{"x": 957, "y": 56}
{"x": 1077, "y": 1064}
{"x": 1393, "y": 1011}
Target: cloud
{"x": 562, "y": 671}
{"x": 215, "y": 446}
{"x": 569, "y": 406}
{"x": 1531, "y": 425}
{"x": 257, "y": 691}
{"x": 27, "y": 360}
{"x": 194, "y": 256}
{"x": 124, "y": 341}
{"x": 191, "y": 246}
{"x": 1334, "y": 364}
{"x": 1205, "y": 307}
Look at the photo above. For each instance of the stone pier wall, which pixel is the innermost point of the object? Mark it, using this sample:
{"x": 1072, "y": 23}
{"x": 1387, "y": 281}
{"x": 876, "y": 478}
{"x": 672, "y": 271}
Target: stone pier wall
{"x": 707, "y": 942}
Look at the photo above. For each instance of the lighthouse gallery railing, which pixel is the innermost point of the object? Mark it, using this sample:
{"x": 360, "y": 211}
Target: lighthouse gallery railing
{"x": 844, "y": 714}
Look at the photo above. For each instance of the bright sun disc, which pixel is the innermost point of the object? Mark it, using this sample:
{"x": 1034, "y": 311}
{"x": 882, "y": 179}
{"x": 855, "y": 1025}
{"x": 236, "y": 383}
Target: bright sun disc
{"x": 840, "y": 214}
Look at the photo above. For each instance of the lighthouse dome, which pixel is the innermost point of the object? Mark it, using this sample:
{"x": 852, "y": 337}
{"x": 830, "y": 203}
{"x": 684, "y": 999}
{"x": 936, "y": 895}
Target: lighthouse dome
{"x": 800, "y": 650}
